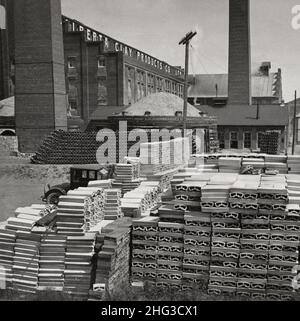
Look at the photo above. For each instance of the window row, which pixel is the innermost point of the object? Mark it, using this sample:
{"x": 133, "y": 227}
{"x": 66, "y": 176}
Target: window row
{"x": 234, "y": 140}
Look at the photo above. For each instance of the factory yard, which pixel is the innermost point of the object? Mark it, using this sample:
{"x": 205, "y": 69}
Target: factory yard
{"x": 22, "y": 183}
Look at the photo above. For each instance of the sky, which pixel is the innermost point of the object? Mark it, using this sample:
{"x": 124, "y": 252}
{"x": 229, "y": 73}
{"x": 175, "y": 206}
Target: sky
{"x": 157, "y": 26}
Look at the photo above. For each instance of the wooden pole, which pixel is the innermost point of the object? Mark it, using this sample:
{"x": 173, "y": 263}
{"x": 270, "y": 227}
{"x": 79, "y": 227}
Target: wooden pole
{"x": 186, "y": 41}
{"x": 294, "y": 123}
{"x": 185, "y": 96}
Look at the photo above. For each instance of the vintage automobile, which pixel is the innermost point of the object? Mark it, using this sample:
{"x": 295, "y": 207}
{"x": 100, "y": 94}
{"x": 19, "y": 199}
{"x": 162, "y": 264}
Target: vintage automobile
{"x": 80, "y": 176}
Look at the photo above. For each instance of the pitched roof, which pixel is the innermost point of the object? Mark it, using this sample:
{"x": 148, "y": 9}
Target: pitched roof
{"x": 205, "y": 85}
{"x": 238, "y": 115}
{"x": 160, "y": 104}
{"x": 104, "y": 112}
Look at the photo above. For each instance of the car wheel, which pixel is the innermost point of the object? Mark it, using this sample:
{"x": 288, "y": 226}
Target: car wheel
{"x": 53, "y": 198}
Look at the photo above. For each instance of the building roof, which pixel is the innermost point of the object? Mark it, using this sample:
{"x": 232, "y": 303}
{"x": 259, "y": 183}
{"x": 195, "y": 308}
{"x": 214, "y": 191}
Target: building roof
{"x": 160, "y": 104}
{"x": 7, "y": 107}
{"x": 204, "y": 86}
{"x": 238, "y": 115}
{"x": 104, "y": 112}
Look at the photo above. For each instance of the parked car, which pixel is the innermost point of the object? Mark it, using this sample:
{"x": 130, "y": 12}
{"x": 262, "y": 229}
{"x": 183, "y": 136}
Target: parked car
{"x": 80, "y": 176}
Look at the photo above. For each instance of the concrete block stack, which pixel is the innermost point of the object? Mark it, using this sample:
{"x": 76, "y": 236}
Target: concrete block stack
{"x": 78, "y": 264}
{"x": 52, "y": 262}
{"x": 145, "y": 250}
{"x": 7, "y": 245}
{"x": 25, "y": 268}
{"x": 276, "y": 163}
{"x": 270, "y": 142}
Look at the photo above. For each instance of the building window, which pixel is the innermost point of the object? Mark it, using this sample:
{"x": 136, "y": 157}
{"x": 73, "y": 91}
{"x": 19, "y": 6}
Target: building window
{"x": 159, "y": 85}
{"x": 168, "y": 86}
{"x": 247, "y": 140}
{"x": 178, "y": 114}
{"x": 71, "y": 62}
{"x": 221, "y": 138}
{"x": 101, "y": 62}
{"x": 234, "y": 144}
{"x": 141, "y": 87}
{"x": 151, "y": 88}
{"x": 259, "y": 139}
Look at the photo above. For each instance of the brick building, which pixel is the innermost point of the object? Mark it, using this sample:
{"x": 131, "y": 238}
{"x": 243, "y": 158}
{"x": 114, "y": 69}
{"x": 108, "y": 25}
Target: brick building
{"x": 103, "y": 73}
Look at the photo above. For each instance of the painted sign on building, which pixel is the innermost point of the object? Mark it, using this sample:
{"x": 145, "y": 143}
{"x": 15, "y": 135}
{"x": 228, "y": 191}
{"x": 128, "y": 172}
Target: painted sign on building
{"x": 111, "y": 44}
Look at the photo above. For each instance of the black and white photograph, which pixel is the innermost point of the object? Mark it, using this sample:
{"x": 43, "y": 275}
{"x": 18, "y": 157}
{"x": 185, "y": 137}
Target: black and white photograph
{"x": 149, "y": 152}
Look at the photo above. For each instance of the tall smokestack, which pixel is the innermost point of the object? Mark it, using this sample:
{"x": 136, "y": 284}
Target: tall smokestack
{"x": 239, "y": 78}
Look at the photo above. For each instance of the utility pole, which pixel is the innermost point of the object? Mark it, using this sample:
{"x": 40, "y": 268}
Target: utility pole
{"x": 294, "y": 124}
{"x": 186, "y": 41}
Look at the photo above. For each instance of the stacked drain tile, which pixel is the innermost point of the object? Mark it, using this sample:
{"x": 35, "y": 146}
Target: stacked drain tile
{"x": 197, "y": 250}
{"x": 170, "y": 255}
{"x": 145, "y": 249}
{"x": 78, "y": 264}
{"x": 52, "y": 261}
{"x": 112, "y": 205}
{"x": 284, "y": 240}
{"x": 225, "y": 251}
{"x": 26, "y": 263}
{"x": 7, "y": 244}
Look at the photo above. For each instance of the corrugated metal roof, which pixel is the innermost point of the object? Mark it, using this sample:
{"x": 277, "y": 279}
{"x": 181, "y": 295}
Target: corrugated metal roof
{"x": 238, "y": 115}
{"x": 204, "y": 86}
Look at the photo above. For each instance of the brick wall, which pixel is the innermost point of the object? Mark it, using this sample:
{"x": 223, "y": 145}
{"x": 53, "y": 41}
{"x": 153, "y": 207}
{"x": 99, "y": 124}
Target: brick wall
{"x": 239, "y": 83}
{"x": 40, "y": 79}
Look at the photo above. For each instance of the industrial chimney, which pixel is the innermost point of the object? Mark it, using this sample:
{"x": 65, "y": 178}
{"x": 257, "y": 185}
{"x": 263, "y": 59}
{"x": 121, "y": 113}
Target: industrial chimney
{"x": 239, "y": 73}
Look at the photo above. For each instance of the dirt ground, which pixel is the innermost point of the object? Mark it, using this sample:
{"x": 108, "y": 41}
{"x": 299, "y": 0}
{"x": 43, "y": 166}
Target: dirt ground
{"x": 22, "y": 184}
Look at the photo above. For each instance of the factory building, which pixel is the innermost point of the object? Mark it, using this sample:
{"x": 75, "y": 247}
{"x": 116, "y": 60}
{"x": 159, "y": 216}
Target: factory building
{"x": 245, "y": 103}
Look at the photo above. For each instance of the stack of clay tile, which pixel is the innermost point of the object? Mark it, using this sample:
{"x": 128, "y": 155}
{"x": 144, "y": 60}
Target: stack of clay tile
{"x": 170, "y": 255}
{"x": 24, "y": 220}
{"x": 254, "y": 164}
{"x": 293, "y": 183}
{"x": 78, "y": 264}
{"x": 197, "y": 250}
{"x": 113, "y": 259}
{"x": 254, "y": 240}
{"x": 293, "y": 164}
{"x": 79, "y": 210}
{"x": 230, "y": 164}
{"x": 140, "y": 200}
{"x": 112, "y": 205}
{"x": 215, "y": 193}
{"x": 144, "y": 249}
{"x": 7, "y": 244}
{"x": 127, "y": 177}
{"x": 188, "y": 193}
{"x": 225, "y": 251}
{"x": 276, "y": 163}
{"x": 52, "y": 262}
{"x": 284, "y": 238}
{"x": 26, "y": 262}
{"x": 159, "y": 157}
